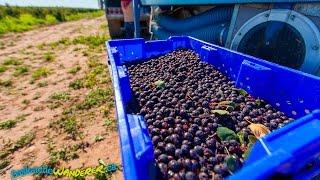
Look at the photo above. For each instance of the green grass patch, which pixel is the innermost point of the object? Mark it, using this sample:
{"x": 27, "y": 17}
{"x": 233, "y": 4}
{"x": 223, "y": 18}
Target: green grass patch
{"x": 88, "y": 15}
{"x": 104, "y": 27}
{"x": 42, "y": 84}
{"x": 95, "y": 98}
{"x": 94, "y": 62}
{"x": 6, "y": 82}
{"x": 85, "y": 53}
{"x": 11, "y": 147}
{"x": 92, "y": 41}
{"x": 76, "y": 84}
{"x": 39, "y": 108}
{"x": 49, "y": 57}
{"x": 26, "y": 101}
{"x": 50, "y": 19}
{"x": 37, "y": 95}
{"x": 4, "y": 163}
{"x": 57, "y": 99}
{"x": 2, "y": 45}
{"x": 41, "y": 72}
{"x": 91, "y": 80}
{"x": 8, "y": 124}
{"x": 68, "y": 124}
{"x": 21, "y": 117}
{"x": 23, "y": 141}
{"x": 96, "y": 74}
{"x": 74, "y": 70}
{"x": 66, "y": 153}
{"x": 98, "y": 138}
{"x": 3, "y": 68}
{"x": 63, "y": 41}
{"x": 4, "y": 154}
{"x": 60, "y": 96}
{"x": 21, "y": 70}
{"x": 41, "y": 46}
{"x": 110, "y": 124}
{"x": 12, "y": 61}
{"x": 63, "y": 154}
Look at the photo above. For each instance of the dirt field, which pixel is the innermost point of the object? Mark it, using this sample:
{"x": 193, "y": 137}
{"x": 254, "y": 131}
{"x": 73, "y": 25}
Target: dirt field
{"x": 56, "y": 100}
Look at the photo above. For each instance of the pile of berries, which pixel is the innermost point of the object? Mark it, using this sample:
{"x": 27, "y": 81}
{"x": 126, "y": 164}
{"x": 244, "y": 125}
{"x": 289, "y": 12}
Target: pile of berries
{"x": 184, "y": 101}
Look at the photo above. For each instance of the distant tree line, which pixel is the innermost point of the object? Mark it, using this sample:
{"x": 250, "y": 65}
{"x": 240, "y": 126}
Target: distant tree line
{"x": 59, "y": 13}
{"x": 20, "y": 19}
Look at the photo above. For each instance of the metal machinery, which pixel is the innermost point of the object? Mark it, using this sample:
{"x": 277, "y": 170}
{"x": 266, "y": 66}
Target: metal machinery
{"x": 114, "y": 16}
{"x": 282, "y": 31}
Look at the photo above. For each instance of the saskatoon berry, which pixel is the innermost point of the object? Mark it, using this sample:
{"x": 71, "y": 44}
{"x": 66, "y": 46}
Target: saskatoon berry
{"x": 195, "y": 165}
{"x": 157, "y": 153}
{"x": 163, "y": 158}
{"x": 191, "y": 176}
{"x": 176, "y": 176}
{"x": 198, "y": 150}
{"x": 155, "y": 140}
{"x": 174, "y": 165}
{"x": 178, "y": 153}
{"x": 187, "y": 164}
{"x": 188, "y": 136}
{"x": 193, "y": 154}
{"x": 203, "y": 176}
{"x": 200, "y": 134}
{"x": 163, "y": 169}
{"x": 170, "y": 149}
{"x": 218, "y": 177}
{"x": 175, "y": 139}
{"x": 212, "y": 160}
{"x": 184, "y": 149}
{"x": 197, "y": 141}
{"x": 220, "y": 169}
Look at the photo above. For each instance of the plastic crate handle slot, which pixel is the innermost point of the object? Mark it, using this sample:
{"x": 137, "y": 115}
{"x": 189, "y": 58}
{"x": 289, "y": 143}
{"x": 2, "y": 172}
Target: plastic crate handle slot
{"x": 254, "y": 78}
{"x": 129, "y": 49}
{"x": 159, "y": 47}
{"x": 124, "y": 84}
{"x": 139, "y": 131}
{"x": 207, "y": 53}
{"x": 179, "y": 42}
{"x": 115, "y": 55}
{"x": 142, "y": 143}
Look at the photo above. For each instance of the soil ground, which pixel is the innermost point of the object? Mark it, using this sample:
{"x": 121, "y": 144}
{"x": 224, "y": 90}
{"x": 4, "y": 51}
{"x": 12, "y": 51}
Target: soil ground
{"x": 56, "y": 100}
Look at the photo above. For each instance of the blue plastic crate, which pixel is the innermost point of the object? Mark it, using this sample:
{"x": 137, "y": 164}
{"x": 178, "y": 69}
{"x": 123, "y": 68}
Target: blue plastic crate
{"x": 297, "y": 94}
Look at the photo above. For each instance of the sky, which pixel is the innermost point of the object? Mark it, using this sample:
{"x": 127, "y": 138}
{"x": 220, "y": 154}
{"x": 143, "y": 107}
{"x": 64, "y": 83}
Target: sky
{"x": 46, "y": 3}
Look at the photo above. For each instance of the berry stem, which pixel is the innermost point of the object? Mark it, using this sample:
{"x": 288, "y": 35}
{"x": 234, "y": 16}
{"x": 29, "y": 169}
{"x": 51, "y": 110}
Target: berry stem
{"x": 225, "y": 148}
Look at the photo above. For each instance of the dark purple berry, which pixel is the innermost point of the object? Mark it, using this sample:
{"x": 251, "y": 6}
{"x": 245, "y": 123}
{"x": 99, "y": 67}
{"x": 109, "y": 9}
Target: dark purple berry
{"x": 163, "y": 158}
{"x": 191, "y": 176}
{"x": 170, "y": 149}
{"x": 174, "y": 165}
